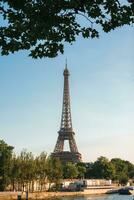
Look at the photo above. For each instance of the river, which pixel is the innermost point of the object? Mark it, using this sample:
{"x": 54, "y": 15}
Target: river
{"x": 103, "y": 197}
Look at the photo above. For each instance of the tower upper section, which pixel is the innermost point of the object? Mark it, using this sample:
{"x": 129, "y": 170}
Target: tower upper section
{"x": 66, "y": 121}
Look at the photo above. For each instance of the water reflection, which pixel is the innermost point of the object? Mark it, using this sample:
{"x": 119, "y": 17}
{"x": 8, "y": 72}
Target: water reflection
{"x": 103, "y": 197}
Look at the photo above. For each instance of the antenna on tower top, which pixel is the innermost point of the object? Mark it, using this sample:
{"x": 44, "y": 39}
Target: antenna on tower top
{"x": 66, "y": 71}
{"x": 66, "y": 64}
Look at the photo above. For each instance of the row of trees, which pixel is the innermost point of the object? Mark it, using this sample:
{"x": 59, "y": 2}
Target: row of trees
{"x": 21, "y": 171}
{"x": 116, "y": 169}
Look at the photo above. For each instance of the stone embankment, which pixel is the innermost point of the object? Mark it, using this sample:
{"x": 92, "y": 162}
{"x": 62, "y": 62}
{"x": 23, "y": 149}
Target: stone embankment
{"x": 50, "y": 195}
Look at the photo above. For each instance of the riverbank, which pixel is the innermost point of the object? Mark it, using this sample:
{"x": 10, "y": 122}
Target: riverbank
{"x": 50, "y": 195}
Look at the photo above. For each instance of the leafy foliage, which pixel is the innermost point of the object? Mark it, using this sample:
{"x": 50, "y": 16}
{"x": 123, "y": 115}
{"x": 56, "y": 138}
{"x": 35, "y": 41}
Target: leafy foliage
{"x": 123, "y": 170}
{"x": 41, "y": 169}
{"x": 123, "y": 179}
{"x": 81, "y": 171}
{"x": 54, "y": 171}
{"x": 20, "y": 171}
{"x": 70, "y": 171}
{"x": 5, "y": 164}
{"x": 43, "y": 27}
{"x": 102, "y": 169}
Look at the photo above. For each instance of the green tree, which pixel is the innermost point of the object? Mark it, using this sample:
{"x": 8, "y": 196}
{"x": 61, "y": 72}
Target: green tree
{"x": 41, "y": 169}
{"x": 121, "y": 168}
{"x": 130, "y": 169}
{"x": 103, "y": 168}
{"x": 81, "y": 170}
{"x": 70, "y": 171}
{"x": 27, "y": 169}
{"x": 43, "y": 27}
{"x": 54, "y": 171}
{"x": 5, "y": 164}
{"x": 123, "y": 179}
{"x": 89, "y": 167}
{"x": 15, "y": 172}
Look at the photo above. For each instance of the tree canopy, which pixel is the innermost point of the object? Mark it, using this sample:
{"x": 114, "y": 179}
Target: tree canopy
{"x": 43, "y": 27}
{"x": 103, "y": 168}
{"x": 70, "y": 171}
{"x": 18, "y": 172}
{"x": 5, "y": 162}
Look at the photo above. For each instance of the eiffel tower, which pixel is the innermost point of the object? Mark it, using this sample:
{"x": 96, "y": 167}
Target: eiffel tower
{"x": 66, "y": 131}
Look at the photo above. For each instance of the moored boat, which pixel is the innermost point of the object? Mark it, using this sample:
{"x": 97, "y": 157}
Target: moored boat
{"x": 126, "y": 190}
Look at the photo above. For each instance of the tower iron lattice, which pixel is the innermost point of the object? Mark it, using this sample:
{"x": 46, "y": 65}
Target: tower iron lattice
{"x": 66, "y": 130}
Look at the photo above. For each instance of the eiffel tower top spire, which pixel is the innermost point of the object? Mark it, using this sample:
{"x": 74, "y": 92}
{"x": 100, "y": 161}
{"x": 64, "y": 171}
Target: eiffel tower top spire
{"x": 66, "y": 71}
{"x": 66, "y": 64}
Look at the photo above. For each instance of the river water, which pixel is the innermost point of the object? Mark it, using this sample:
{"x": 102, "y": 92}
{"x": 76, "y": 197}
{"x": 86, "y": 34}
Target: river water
{"x": 103, "y": 197}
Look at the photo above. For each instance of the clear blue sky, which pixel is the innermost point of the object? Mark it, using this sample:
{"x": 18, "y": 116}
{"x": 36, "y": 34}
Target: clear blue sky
{"x": 102, "y": 97}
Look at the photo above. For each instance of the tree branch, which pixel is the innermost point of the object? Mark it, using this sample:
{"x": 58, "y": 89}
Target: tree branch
{"x": 85, "y": 17}
{"x": 2, "y": 10}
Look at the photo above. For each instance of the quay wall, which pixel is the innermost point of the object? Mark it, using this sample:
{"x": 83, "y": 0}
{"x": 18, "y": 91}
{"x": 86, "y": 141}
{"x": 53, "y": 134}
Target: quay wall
{"x": 50, "y": 195}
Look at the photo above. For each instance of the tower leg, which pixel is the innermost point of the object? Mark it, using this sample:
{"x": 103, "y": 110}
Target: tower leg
{"x": 59, "y": 145}
{"x": 72, "y": 144}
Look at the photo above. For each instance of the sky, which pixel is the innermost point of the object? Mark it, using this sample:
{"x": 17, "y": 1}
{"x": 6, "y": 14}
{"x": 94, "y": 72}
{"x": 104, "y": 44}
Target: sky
{"x": 102, "y": 97}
